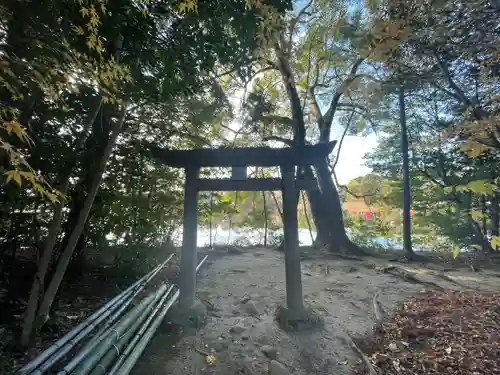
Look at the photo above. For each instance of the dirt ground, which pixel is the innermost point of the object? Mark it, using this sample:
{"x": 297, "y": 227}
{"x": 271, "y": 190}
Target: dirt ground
{"x": 243, "y": 290}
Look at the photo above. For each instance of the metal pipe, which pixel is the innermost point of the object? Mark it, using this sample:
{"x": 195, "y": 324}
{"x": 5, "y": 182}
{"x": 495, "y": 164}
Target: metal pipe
{"x": 130, "y": 346}
{"x": 126, "y": 300}
{"x": 54, "y": 348}
{"x": 91, "y": 344}
{"x": 69, "y": 345}
{"x": 125, "y": 340}
{"x": 48, "y": 354}
{"x": 93, "y": 341}
{"x": 131, "y": 360}
{"x": 113, "y": 335}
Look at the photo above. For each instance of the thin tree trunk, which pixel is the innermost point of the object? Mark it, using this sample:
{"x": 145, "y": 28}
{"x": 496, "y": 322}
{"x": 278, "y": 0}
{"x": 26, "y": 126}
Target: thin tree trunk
{"x": 484, "y": 216}
{"x": 50, "y": 294}
{"x": 211, "y": 213}
{"x": 273, "y": 195}
{"x": 277, "y": 204}
{"x": 407, "y": 245}
{"x": 495, "y": 215}
{"x": 307, "y": 218}
{"x": 54, "y": 229}
{"x": 265, "y": 218}
{"x": 137, "y": 210}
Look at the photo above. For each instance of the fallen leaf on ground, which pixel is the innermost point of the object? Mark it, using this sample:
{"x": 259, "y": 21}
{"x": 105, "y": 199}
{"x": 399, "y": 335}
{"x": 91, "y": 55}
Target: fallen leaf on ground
{"x": 444, "y": 332}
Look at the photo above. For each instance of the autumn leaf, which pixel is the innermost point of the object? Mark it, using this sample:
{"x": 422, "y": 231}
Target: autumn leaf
{"x": 479, "y": 186}
{"x": 84, "y": 12}
{"x": 15, "y": 176}
{"x": 495, "y": 242}
{"x": 477, "y": 215}
{"x": 187, "y": 6}
{"x": 54, "y": 198}
{"x": 79, "y": 30}
{"x": 16, "y": 128}
{"x": 473, "y": 148}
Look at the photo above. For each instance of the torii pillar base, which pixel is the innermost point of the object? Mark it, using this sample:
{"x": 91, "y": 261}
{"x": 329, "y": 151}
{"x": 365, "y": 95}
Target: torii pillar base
{"x": 194, "y": 316}
{"x": 293, "y": 320}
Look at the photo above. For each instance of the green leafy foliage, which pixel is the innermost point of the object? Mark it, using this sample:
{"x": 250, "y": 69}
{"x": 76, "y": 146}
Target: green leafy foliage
{"x": 83, "y": 84}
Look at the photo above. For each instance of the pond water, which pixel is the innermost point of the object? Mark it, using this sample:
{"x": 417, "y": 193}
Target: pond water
{"x": 250, "y": 236}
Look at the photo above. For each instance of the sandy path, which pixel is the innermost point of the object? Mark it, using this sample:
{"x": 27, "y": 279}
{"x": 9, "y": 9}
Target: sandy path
{"x": 236, "y": 332}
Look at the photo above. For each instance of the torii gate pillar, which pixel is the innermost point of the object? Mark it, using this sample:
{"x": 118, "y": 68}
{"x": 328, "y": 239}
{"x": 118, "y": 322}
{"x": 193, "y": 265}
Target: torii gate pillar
{"x": 187, "y": 277}
{"x": 293, "y": 272}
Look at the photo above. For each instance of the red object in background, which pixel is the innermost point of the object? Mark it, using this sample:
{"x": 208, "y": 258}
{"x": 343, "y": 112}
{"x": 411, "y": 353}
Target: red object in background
{"x": 368, "y": 215}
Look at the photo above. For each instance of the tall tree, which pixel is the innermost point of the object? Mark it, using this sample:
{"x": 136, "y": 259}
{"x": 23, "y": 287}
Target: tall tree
{"x": 452, "y": 56}
{"x": 317, "y": 60}
{"x": 406, "y": 176}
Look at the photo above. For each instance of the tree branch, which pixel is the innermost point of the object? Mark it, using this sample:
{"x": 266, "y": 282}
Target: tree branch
{"x": 274, "y": 118}
{"x": 296, "y": 20}
{"x": 334, "y": 164}
{"x": 314, "y": 107}
{"x": 434, "y": 180}
{"x": 330, "y": 113}
{"x": 313, "y": 103}
{"x": 288, "y": 142}
{"x": 293, "y": 97}
{"x": 351, "y": 106}
{"x": 339, "y": 148}
{"x": 457, "y": 90}
{"x": 347, "y": 190}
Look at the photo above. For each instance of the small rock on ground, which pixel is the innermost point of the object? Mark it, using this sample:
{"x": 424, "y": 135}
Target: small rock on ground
{"x": 276, "y": 368}
{"x": 270, "y": 352}
{"x": 237, "y": 329}
{"x": 250, "y": 308}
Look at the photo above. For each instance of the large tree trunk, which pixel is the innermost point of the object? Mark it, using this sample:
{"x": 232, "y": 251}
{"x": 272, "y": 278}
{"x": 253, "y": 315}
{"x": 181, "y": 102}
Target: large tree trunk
{"x": 407, "y": 245}
{"x": 332, "y": 213}
{"x": 67, "y": 253}
{"x": 325, "y": 204}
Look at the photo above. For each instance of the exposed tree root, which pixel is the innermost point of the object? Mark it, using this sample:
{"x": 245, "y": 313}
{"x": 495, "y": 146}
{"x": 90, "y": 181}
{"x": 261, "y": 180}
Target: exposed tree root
{"x": 379, "y": 317}
{"x": 348, "y": 257}
{"x": 352, "y": 248}
{"x": 202, "y": 352}
{"x": 451, "y": 280}
{"x": 408, "y": 277}
{"x": 377, "y": 309}
{"x": 368, "y": 365}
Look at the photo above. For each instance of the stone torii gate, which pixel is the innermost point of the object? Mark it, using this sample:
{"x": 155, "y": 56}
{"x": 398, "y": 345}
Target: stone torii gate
{"x": 239, "y": 159}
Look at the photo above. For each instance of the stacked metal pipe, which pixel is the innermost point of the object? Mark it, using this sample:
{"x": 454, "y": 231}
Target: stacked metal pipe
{"x": 121, "y": 338}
